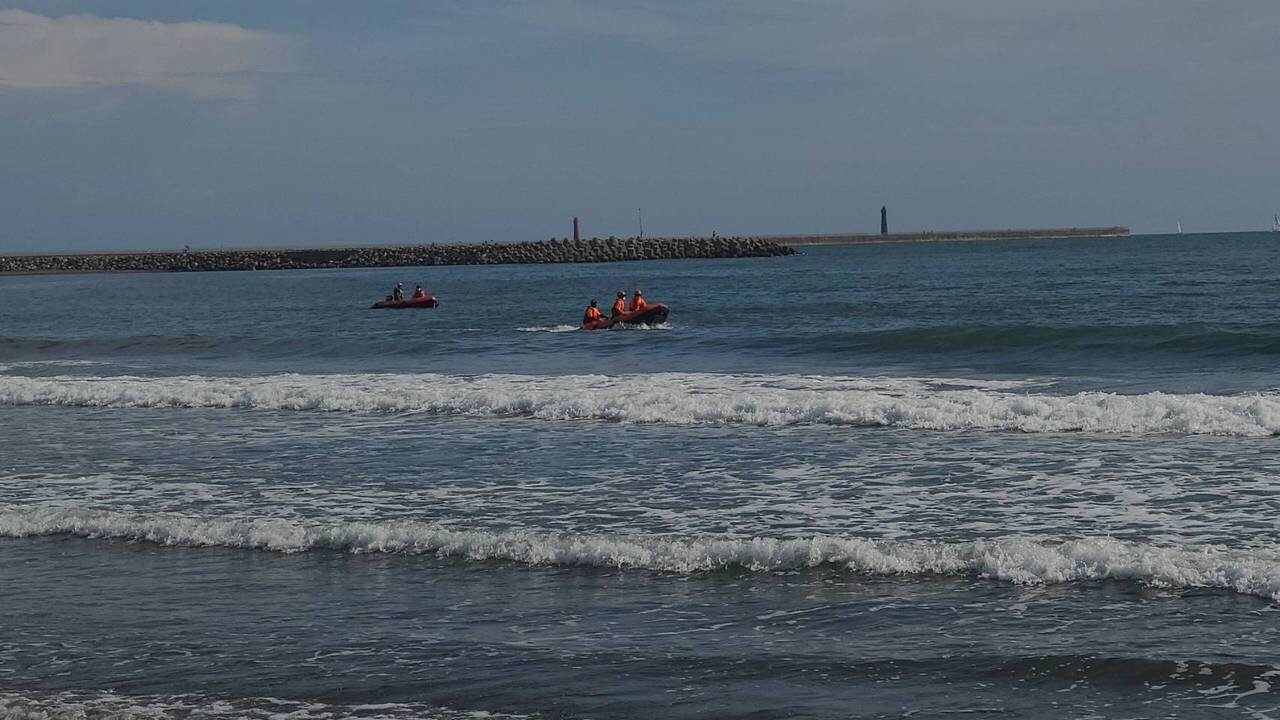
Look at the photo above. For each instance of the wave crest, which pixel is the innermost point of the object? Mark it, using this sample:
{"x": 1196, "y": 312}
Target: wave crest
{"x": 677, "y": 398}
{"x": 1015, "y": 560}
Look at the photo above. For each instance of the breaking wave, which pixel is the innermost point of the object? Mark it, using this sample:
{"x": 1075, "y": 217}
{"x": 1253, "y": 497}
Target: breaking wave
{"x": 1014, "y": 560}
{"x": 679, "y": 398}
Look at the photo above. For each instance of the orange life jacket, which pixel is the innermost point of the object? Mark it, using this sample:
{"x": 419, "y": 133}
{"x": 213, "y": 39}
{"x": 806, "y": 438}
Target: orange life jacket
{"x": 637, "y": 303}
{"x": 419, "y": 294}
{"x": 591, "y": 315}
{"x": 619, "y": 306}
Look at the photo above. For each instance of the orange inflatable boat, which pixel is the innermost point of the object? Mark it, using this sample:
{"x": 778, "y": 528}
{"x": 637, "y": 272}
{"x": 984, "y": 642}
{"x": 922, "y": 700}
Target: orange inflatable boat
{"x": 654, "y": 314}
{"x": 426, "y": 302}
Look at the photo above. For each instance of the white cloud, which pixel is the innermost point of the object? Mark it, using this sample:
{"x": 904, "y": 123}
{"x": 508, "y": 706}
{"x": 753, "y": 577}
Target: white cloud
{"x": 203, "y": 59}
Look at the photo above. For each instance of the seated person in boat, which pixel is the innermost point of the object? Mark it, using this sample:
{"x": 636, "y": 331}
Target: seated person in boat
{"x": 619, "y": 305}
{"x": 418, "y": 293}
{"x": 637, "y": 300}
{"x": 591, "y": 314}
{"x": 397, "y": 293}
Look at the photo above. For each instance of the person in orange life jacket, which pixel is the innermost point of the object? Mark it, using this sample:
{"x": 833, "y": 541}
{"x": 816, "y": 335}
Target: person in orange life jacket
{"x": 619, "y": 304}
{"x": 418, "y": 293}
{"x": 637, "y": 301}
{"x": 592, "y": 313}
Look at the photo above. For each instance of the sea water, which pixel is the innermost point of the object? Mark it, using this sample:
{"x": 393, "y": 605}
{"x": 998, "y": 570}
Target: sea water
{"x": 1033, "y": 479}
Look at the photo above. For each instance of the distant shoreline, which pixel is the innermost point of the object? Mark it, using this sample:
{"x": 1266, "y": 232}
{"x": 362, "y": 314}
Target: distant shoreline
{"x": 547, "y": 251}
{"x": 950, "y": 236}
{"x": 594, "y": 250}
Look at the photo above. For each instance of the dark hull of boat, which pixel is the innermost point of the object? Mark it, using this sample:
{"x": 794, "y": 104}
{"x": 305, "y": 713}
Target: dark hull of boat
{"x": 426, "y": 302}
{"x": 655, "y": 314}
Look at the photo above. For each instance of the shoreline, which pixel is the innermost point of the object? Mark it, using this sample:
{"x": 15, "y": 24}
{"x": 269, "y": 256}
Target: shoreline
{"x": 595, "y": 250}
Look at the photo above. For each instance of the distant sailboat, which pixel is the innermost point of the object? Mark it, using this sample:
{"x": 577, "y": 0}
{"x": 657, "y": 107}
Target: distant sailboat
{"x": 1179, "y": 227}
{"x": 1275, "y": 223}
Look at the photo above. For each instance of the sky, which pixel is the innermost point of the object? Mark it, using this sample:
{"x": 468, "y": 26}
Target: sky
{"x": 153, "y": 124}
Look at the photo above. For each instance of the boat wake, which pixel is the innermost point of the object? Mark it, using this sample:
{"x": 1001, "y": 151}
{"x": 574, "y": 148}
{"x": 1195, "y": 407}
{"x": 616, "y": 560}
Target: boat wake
{"x": 549, "y": 328}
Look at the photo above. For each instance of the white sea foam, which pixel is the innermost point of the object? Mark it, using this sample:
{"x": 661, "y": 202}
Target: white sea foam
{"x": 983, "y": 384}
{"x": 79, "y": 705}
{"x": 678, "y": 398}
{"x": 549, "y": 328}
{"x": 575, "y": 328}
{"x": 27, "y": 364}
{"x": 664, "y": 327}
{"x": 1015, "y": 560}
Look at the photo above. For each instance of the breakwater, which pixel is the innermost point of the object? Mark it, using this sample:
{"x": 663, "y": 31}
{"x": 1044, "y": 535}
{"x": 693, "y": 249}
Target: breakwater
{"x": 951, "y": 236}
{"x": 547, "y": 251}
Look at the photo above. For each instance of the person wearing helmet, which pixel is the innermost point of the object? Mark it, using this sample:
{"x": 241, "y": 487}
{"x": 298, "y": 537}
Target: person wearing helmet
{"x": 637, "y": 300}
{"x": 591, "y": 314}
{"x": 418, "y": 293}
{"x": 397, "y": 294}
{"x": 619, "y": 305}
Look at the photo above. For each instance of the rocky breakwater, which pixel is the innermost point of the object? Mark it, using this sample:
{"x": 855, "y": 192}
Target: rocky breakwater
{"x": 549, "y": 251}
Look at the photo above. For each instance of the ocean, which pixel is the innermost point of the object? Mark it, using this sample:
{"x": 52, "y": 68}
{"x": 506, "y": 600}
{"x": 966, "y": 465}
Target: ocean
{"x": 1016, "y": 479}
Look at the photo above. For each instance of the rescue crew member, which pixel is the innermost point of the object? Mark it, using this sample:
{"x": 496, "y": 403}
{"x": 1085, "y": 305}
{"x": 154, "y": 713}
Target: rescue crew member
{"x": 592, "y": 313}
{"x": 619, "y": 304}
{"x": 637, "y": 300}
{"x": 418, "y": 293}
{"x": 398, "y": 293}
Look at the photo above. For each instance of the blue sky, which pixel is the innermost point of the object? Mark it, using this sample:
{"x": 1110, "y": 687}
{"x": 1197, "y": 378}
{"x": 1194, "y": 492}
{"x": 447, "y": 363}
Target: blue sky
{"x": 156, "y": 123}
